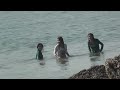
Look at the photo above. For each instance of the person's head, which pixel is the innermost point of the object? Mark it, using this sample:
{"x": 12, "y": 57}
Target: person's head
{"x": 90, "y": 36}
{"x": 40, "y": 46}
{"x": 60, "y": 41}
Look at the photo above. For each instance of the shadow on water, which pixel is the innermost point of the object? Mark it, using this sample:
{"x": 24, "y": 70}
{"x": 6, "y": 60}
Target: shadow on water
{"x": 42, "y": 62}
{"x": 85, "y": 54}
{"x": 88, "y": 54}
{"x": 63, "y": 63}
{"x": 33, "y": 60}
{"x": 97, "y": 59}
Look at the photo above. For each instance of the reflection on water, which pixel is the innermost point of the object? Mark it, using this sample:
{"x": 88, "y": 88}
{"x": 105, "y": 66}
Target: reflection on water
{"x": 97, "y": 60}
{"x": 42, "y": 62}
{"x": 63, "y": 63}
{"x": 94, "y": 54}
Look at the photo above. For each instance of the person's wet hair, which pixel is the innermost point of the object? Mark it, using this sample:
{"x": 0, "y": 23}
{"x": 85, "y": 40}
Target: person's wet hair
{"x": 39, "y": 54}
{"x": 61, "y": 41}
{"x": 40, "y": 44}
{"x": 90, "y": 34}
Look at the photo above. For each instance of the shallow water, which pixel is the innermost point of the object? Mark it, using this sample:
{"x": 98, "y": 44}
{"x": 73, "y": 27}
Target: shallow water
{"x": 21, "y": 31}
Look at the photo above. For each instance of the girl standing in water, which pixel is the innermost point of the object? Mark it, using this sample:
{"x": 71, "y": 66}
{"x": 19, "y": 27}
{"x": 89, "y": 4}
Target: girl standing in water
{"x": 39, "y": 54}
{"x": 60, "y": 50}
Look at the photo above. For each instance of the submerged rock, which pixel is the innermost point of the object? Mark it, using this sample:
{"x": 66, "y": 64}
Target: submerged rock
{"x": 111, "y": 70}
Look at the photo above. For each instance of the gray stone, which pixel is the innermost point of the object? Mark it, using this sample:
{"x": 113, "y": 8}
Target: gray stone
{"x": 111, "y": 70}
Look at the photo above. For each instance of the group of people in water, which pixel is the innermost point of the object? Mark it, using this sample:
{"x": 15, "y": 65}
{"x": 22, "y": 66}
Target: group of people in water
{"x": 60, "y": 50}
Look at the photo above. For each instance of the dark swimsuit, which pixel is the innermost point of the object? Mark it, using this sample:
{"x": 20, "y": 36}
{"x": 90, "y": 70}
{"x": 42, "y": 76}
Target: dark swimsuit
{"x": 95, "y": 46}
{"x": 39, "y": 55}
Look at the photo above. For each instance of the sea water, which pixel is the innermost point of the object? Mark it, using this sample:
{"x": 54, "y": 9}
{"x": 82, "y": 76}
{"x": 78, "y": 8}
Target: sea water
{"x": 21, "y": 31}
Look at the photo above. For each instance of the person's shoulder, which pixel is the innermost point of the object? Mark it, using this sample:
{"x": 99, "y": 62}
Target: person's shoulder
{"x": 97, "y": 39}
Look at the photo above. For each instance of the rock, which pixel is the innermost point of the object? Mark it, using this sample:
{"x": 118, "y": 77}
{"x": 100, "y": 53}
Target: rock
{"x": 113, "y": 67}
{"x": 111, "y": 70}
{"x": 96, "y": 72}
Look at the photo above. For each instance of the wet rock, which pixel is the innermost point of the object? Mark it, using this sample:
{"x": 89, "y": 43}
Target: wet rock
{"x": 113, "y": 67}
{"x": 111, "y": 70}
{"x": 96, "y": 72}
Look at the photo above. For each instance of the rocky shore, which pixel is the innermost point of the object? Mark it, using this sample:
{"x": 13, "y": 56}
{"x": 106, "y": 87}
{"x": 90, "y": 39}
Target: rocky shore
{"x": 111, "y": 70}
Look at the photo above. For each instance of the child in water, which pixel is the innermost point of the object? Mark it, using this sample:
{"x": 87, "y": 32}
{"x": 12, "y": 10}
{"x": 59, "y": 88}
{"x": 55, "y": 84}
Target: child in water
{"x": 39, "y": 54}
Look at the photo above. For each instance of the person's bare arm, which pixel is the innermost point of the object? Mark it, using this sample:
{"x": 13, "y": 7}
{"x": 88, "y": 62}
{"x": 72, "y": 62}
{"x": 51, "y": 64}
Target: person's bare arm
{"x": 66, "y": 50}
{"x": 102, "y": 45}
{"x": 55, "y": 50}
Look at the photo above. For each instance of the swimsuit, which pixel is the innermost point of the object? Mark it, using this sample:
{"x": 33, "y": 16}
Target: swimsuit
{"x": 39, "y": 55}
{"x": 94, "y": 46}
{"x": 60, "y": 52}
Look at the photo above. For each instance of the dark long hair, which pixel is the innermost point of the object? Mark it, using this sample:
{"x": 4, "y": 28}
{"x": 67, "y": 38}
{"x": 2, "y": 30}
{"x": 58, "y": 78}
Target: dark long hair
{"x": 39, "y": 45}
{"x": 61, "y": 41}
{"x": 91, "y": 35}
